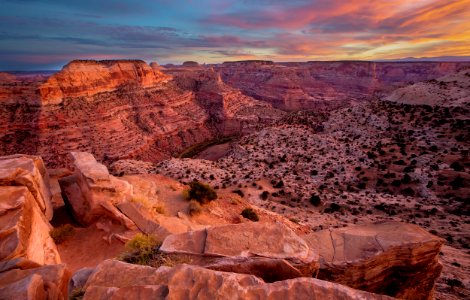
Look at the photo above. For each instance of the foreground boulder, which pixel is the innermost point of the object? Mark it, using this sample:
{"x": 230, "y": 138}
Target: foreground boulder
{"x": 117, "y": 280}
{"x": 28, "y": 171}
{"x": 93, "y": 193}
{"x": 270, "y": 251}
{"x": 24, "y": 230}
{"x": 23, "y": 279}
{"x": 396, "y": 259}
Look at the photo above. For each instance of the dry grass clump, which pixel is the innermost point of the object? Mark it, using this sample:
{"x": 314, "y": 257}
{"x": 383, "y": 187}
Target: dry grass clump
{"x": 194, "y": 208}
{"x": 145, "y": 202}
{"x": 250, "y": 214}
{"x": 62, "y": 233}
{"x": 200, "y": 192}
{"x": 143, "y": 249}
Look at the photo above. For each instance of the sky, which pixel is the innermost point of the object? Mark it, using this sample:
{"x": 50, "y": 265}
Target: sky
{"x": 43, "y": 34}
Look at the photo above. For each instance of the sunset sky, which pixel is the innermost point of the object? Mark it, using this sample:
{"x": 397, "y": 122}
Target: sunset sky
{"x": 46, "y": 34}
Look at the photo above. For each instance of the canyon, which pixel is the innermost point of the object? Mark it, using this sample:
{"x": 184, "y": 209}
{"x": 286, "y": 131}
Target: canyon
{"x": 332, "y": 180}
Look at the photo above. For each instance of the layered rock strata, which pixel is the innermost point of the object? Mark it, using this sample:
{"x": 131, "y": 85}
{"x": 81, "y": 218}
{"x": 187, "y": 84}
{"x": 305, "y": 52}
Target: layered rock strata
{"x": 28, "y": 171}
{"x": 85, "y": 78}
{"x": 24, "y": 231}
{"x": 120, "y": 110}
{"x": 313, "y": 85}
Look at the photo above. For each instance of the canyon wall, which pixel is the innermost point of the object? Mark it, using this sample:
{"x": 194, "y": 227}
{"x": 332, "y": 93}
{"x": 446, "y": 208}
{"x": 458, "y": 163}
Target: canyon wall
{"x": 119, "y": 109}
{"x": 312, "y": 85}
{"x": 128, "y": 109}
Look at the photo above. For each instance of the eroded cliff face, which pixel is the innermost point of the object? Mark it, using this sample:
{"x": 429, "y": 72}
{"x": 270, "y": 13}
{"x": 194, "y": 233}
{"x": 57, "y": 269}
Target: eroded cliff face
{"x": 88, "y": 77}
{"x": 120, "y": 109}
{"x": 310, "y": 85}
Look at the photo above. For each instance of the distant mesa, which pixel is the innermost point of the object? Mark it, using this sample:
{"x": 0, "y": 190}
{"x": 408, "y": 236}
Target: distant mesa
{"x": 155, "y": 66}
{"x": 249, "y": 62}
{"x": 191, "y": 63}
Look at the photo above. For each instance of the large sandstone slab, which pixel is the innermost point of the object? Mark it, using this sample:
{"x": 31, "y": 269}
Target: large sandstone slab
{"x": 28, "y": 171}
{"x": 44, "y": 282}
{"x": 142, "y": 218}
{"x": 117, "y": 280}
{"x": 24, "y": 231}
{"x": 389, "y": 258}
{"x": 93, "y": 193}
{"x": 271, "y": 251}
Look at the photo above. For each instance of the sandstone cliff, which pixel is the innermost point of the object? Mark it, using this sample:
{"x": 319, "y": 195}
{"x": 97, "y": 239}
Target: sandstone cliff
{"x": 88, "y": 77}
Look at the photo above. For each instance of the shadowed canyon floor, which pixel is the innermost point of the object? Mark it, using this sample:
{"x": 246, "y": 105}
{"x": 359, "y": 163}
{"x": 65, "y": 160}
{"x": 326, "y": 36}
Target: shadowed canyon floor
{"x": 333, "y": 180}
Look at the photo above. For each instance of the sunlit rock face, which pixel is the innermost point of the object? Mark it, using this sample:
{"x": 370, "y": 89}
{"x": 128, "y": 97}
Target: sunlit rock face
{"x": 87, "y": 78}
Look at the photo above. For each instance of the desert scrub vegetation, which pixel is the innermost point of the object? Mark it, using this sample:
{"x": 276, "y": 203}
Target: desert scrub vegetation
{"x": 200, "y": 192}
{"x": 143, "y": 249}
{"x": 62, "y": 233}
{"x": 250, "y": 214}
{"x": 77, "y": 294}
{"x": 145, "y": 202}
{"x": 194, "y": 208}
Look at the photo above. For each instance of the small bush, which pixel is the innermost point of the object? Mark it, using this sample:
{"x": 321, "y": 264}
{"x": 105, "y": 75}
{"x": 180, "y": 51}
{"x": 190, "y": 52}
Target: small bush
{"x": 250, "y": 214}
{"x": 315, "y": 200}
{"x": 159, "y": 209}
{"x": 141, "y": 249}
{"x": 142, "y": 200}
{"x": 239, "y": 192}
{"x": 61, "y": 233}
{"x": 264, "y": 195}
{"x": 194, "y": 208}
{"x": 457, "y": 166}
{"x": 200, "y": 192}
{"x": 279, "y": 185}
{"x": 77, "y": 294}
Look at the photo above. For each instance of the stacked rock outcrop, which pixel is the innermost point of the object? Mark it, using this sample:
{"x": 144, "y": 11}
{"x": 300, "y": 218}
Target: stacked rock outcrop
{"x": 392, "y": 258}
{"x": 93, "y": 193}
{"x": 118, "y": 280}
{"x": 29, "y": 261}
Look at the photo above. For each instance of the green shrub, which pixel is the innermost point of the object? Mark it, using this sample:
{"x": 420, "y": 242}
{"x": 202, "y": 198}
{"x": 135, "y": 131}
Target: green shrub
{"x": 264, "y": 195}
{"x": 250, "y": 214}
{"x": 315, "y": 200}
{"x": 61, "y": 233}
{"x": 239, "y": 192}
{"x": 141, "y": 249}
{"x": 194, "y": 208}
{"x": 200, "y": 192}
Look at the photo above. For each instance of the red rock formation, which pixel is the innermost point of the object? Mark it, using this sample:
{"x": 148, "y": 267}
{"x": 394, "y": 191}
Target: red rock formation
{"x": 88, "y": 77}
{"x": 270, "y": 251}
{"x": 396, "y": 259}
{"x": 294, "y": 86}
{"x": 118, "y": 110}
{"x": 117, "y": 280}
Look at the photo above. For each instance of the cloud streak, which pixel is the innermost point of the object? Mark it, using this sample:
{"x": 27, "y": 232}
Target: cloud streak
{"x": 44, "y": 33}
